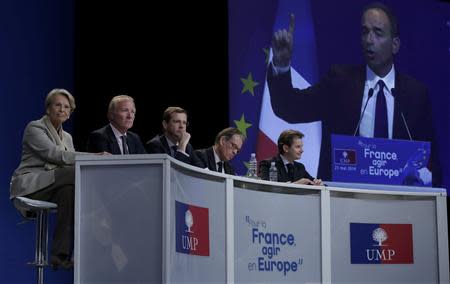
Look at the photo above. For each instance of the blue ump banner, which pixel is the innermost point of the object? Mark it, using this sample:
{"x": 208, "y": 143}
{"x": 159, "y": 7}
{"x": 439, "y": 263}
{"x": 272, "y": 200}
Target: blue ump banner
{"x": 381, "y": 243}
{"x": 381, "y": 161}
{"x": 192, "y": 229}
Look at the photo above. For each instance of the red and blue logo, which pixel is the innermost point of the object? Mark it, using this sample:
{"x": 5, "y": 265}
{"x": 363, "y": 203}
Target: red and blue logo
{"x": 192, "y": 229}
{"x": 345, "y": 157}
{"x": 381, "y": 243}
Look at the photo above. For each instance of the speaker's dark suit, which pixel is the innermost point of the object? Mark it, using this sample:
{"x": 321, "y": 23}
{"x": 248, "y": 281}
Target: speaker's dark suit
{"x": 336, "y": 101}
{"x": 103, "y": 139}
{"x": 299, "y": 170}
{"x": 159, "y": 145}
{"x": 204, "y": 158}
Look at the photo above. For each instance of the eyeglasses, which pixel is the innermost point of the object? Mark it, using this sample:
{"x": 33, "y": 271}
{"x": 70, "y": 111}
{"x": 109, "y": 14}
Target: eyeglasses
{"x": 234, "y": 146}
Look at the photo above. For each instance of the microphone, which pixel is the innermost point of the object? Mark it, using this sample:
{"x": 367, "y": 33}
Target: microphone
{"x": 401, "y": 113}
{"x": 364, "y": 109}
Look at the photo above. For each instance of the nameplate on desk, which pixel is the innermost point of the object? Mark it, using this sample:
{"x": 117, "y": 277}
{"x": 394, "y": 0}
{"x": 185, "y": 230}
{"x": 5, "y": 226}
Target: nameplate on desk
{"x": 380, "y": 161}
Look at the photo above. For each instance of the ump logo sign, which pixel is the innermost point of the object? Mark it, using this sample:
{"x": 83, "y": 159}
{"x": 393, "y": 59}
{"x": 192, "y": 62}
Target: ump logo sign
{"x": 345, "y": 157}
{"x": 192, "y": 229}
{"x": 381, "y": 243}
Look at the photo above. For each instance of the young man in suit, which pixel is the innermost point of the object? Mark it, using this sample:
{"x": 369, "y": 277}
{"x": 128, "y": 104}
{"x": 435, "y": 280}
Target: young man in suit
{"x": 115, "y": 138}
{"x": 175, "y": 139}
{"x": 227, "y": 145}
{"x": 290, "y": 148}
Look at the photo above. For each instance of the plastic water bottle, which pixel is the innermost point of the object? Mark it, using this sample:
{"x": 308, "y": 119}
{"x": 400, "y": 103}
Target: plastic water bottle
{"x": 252, "y": 166}
{"x": 273, "y": 172}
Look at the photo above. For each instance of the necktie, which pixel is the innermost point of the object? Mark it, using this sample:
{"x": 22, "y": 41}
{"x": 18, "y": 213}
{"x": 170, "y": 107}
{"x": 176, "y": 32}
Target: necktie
{"x": 381, "y": 122}
{"x": 174, "y": 150}
{"x": 290, "y": 168}
{"x": 124, "y": 145}
{"x": 219, "y": 166}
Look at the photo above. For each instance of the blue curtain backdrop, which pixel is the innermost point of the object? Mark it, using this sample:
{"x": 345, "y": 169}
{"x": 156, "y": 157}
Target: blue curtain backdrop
{"x": 424, "y": 54}
{"x": 36, "y": 51}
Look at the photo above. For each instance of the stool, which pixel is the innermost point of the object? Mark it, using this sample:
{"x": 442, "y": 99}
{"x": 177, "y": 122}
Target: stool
{"x": 37, "y": 209}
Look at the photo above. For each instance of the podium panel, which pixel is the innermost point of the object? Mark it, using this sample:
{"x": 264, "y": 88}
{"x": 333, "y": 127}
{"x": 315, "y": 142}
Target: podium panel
{"x": 153, "y": 219}
{"x": 277, "y": 237}
{"x": 118, "y": 223}
{"x": 190, "y": 261}
{"x": 361, "y": 258}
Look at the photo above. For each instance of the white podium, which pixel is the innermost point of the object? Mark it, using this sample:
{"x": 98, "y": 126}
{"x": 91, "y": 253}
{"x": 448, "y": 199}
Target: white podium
{"x": 152, "y": 219}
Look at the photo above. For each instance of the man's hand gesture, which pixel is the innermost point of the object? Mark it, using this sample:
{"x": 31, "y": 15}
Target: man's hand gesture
{"x": 282, "y": 44}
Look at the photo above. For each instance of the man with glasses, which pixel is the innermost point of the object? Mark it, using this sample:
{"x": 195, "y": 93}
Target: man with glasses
{"x": 227, "y": 145}
{"x": 175, "y": 139}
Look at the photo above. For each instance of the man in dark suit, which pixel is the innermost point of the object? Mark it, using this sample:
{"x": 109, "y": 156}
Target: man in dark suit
{"x": 375, "y": 93}
{"x": 115, "y": 138}
{"x": 227, "y": 145}
{"x": 175, "y": 139}
{"x": 290, "y": 148}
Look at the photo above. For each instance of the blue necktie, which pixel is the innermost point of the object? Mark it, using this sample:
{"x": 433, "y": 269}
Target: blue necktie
{"x": 381, "y": 122}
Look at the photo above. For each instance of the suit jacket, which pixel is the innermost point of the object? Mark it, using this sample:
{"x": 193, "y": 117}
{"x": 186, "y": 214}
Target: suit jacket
{"x": 43, "y": 150}
{"x": 103, "y": 140}
{"x": 299, "y": 170}
{"x": 159, "y": 145}
{"x": 204, "y": 158}
{"x": 336, "y": 100}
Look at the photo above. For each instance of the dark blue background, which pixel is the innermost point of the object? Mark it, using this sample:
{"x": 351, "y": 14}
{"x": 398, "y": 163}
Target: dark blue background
{"x": 37, "y": 53}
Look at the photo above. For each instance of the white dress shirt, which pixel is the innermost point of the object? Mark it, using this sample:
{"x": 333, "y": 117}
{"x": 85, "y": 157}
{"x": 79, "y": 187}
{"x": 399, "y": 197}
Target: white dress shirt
{"x": 216, "y": 160}
{"x": 367, "y": 126}
{"x": 118, "y": 136}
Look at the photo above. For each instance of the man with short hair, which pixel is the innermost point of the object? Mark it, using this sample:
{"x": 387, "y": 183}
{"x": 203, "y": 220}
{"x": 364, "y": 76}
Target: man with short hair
{"x": 227, "y": 145}
{"x": 115, "y": 138}
{"x": 290, "y": 149}
{"x": 175, "y": 139}
{"x": 372, "y": 100}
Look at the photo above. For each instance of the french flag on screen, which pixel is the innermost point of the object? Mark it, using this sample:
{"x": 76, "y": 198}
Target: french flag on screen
{"x": 303, "y": 74}
{"x": 381, "y": 243}
{"x": 192, "y": 229}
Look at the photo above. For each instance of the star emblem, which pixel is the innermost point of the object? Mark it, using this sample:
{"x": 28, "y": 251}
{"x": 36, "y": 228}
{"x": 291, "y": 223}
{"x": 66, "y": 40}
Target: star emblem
{"x": 249, "y": 84}
{"x": 242, "y": 125}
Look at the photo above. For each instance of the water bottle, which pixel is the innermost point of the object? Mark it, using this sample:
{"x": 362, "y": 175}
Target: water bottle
{"x": 252, "y": 166}
{"x": 273, "y": 172}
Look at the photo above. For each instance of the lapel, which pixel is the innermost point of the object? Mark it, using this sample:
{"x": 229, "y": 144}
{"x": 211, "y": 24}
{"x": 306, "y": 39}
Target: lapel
{"x": 298, "y": 173}
{"x": 282, "y": 173}
{"x": 130, "y": 143}
{"x": 115, "y": 150}
{"x": 53, "y": 133}
{"x": 357, "y": 82}
{"x": 228, "y": 168}
{"x": 398, "y": 129}
{"x": 164, "y": 144}
{"x": 211, "y": 161}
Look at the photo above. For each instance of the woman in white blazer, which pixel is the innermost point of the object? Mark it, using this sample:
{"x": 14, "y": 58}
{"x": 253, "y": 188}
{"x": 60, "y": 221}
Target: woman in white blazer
{"x": 46, "y": 171}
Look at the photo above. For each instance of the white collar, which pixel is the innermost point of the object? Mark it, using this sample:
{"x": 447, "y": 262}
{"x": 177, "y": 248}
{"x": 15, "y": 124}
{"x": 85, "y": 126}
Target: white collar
{"x": 216, "y": 157}
{"x": 285, "y": 161}
{"x": 116, "y": 132}
{"x": 372, "y": 78}
{"x": 169, "y": 142}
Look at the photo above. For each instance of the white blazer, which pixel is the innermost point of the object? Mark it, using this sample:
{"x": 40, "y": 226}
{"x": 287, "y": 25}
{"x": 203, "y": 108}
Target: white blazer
{"x": 43, "y": 150}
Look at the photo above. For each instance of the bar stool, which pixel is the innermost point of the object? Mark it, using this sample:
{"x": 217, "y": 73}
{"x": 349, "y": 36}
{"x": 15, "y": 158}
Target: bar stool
{"x": 37, "y": 209}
